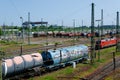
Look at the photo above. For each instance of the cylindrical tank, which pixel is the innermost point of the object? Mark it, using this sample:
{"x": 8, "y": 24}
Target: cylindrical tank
{"x": 18, "y": 63}
{"x": 21, "y": 63}
{"x": 63, "y": 55}
{"x": 28, "y": 61}
{"x": 74, "y": 52}
{"x": 51, "y": 57}
{"x": 7, "y": 66}
{"x": 37, "y": 59}
{"x": 55, "y": 54}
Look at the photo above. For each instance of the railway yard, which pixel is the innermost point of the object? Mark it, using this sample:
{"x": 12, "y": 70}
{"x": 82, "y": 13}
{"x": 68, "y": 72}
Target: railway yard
{"x": 41, "y": 51}
{"x": 83, "y": 71}
{"x": 51, "y": 57}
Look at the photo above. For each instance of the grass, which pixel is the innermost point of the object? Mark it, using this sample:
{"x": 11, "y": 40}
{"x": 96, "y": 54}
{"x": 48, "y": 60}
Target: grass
{"x": 82, "y": 70}
{"x": 9, "y": 48}
{"x": 51, "y": 76}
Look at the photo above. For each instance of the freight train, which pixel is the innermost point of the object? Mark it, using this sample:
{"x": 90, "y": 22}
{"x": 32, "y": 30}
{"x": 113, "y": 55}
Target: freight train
{"x": 107, "y": 42}
{"x": 48, "y": 59}
{"x": 70, "y": 34}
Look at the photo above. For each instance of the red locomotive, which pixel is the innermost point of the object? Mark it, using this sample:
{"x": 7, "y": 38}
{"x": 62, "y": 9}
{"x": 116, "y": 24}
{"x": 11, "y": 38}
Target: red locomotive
{"x": 105, "y": 43}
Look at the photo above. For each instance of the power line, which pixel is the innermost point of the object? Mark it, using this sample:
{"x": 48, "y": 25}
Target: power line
{"x": 16, "y": 9}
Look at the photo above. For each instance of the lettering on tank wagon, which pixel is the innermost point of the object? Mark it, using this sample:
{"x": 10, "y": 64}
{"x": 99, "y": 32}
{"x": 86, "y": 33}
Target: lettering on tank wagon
{"x": 75, "y": 52}
{"x": 72, "y": 53}
{"x": 56, "y": 56}
{"x": 65, "y": 55}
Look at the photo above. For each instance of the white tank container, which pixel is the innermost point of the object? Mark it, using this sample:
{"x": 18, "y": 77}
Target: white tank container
{"x": 37, "y": 59}
{"x": 18, "y": 63}
{"x": 28, "y": 61}
{"x": 8, "y": 67}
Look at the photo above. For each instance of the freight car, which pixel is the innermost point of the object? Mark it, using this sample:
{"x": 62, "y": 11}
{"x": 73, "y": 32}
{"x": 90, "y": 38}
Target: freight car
{"x": 64, "y": 56}
{"x": 105, "y": 43}
{"x": 19, "y": 64}
{"x": 47, "y": 59}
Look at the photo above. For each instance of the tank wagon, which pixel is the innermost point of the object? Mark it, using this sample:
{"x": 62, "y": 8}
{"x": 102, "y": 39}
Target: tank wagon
{"x": 47, "y": 59}
{"x": 19, "y": 64}
{"x": 64, "y": 56}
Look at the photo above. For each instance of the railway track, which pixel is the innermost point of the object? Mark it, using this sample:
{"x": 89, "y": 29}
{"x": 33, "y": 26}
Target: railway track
{"x": 28, "y": 51}
{"x": 104, "y": 71}
{"x": 98, "y": 75}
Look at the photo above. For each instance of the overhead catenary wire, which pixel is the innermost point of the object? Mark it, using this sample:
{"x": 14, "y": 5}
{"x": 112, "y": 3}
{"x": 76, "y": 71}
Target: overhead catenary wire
{"x": 75, "y": 12}
{"x": 15, "y": 7}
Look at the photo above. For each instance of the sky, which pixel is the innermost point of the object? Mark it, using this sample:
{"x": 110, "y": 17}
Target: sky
{"x": 56, "y": 11}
